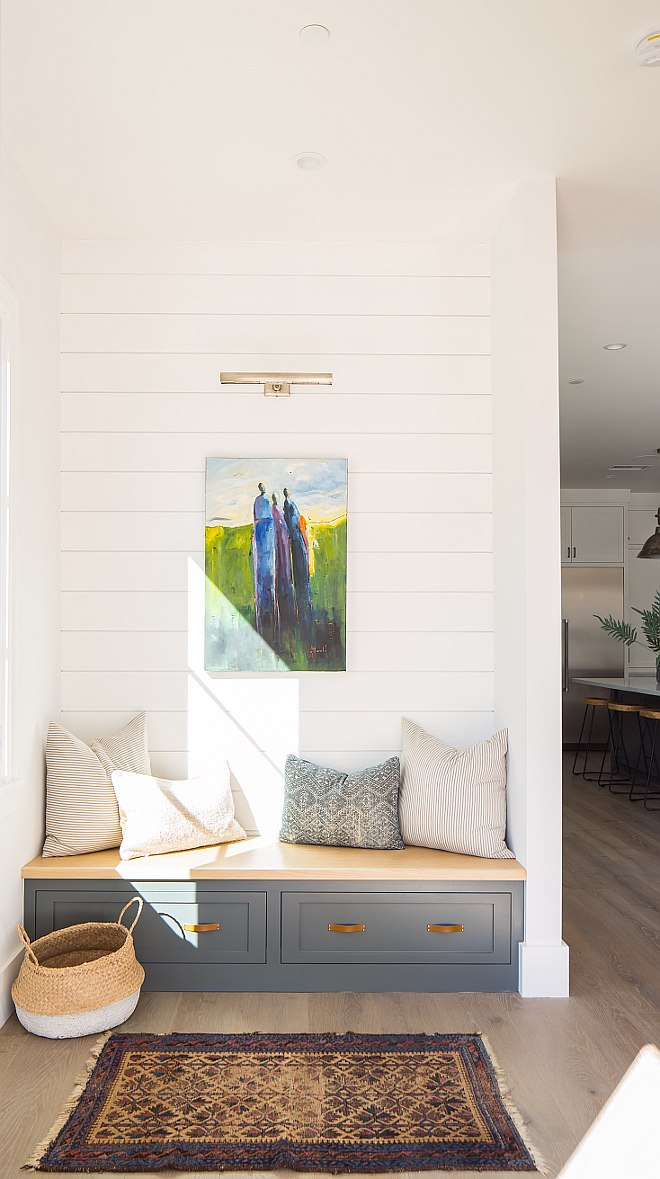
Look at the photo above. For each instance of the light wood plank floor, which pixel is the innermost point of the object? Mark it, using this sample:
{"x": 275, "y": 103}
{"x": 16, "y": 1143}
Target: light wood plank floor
{"x": 562, "y": 1057}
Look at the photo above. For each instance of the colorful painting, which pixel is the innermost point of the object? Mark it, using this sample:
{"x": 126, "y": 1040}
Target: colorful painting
{"x": 276, "y": 564}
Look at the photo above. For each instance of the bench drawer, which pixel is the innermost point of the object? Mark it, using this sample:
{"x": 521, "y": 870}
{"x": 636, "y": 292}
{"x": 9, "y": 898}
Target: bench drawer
{"x": 160, "y": 935}
{"x": 394, "y": 927}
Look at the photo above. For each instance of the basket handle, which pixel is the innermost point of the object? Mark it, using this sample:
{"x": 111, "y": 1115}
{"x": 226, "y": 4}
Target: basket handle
{"x": 127, "y": 906}
{"x": 26, "y": 942}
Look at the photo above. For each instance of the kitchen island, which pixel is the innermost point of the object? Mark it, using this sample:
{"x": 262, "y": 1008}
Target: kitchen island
{"x": 643, "y": 685}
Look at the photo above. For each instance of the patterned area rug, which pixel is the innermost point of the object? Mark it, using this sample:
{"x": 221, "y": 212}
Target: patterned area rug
{"x": 259, "y": 1102}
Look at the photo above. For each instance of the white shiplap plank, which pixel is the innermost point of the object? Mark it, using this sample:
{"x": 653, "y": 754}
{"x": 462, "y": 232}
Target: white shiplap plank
{"x": 307, "y": 412}
{"x": 376, "y": 572}
{"x": 360, "y": 731}
{"x": 425, "y": 651}
{"x": 367, "y": 532}
{"x": 158, "y": 491}
{"x": 464, "y": 335}
{"x": 129, "y": 651}
{"x": 396, "y": 532}
{"x": 395, "y": 452}
{"x": 132, "y": 531}
{"x": 410, "y": 611}
{"x": 399, "y": 691}
{"x": 166, "y": 731}
{"x": 186, "y": 294}
{"x": 109, "y": 610}
{"x": 145, "y": 492}
{"x": 126, "y": 571}
{"x": 83, "y": 372}
{"x": 113, "y": 691}
{"x": 169, "y": 651}
{"x": 229, "y": 257}
{"x": 366, "y": 572}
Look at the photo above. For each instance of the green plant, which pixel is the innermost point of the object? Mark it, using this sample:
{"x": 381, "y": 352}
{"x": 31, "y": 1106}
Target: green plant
{"x": 625, "y": 633}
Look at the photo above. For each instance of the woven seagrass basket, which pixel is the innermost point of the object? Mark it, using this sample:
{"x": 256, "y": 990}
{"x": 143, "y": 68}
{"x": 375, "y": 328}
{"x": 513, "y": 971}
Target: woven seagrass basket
{"x": 78, "y": 980}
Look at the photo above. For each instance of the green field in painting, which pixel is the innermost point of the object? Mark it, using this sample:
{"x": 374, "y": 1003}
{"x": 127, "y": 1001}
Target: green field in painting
{"x": 229, "y": 568}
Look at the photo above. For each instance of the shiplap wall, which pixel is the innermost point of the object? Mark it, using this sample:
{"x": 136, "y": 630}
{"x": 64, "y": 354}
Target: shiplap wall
{"x": 146, "y": 329}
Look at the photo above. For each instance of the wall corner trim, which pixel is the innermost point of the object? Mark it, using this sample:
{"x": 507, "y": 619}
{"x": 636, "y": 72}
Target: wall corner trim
{"x": 8, "y": 973}
{"x": 544, "y": 971}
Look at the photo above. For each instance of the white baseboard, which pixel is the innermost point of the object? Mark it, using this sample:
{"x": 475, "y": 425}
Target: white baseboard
{"x": 544, "y": 971}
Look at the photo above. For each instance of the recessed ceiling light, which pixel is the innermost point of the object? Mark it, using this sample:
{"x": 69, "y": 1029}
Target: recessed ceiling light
{"x": 614, "y": 347}
{"x": 314, "y": 35}
{"x": 576, "y": 381}
{"x": 309, "y": 161}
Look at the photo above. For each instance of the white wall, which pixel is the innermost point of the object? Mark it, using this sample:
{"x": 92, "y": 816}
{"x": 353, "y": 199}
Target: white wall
{"x": 146, "y": 329}
{"x": 527, "y": 563}
{"x": 30, "y": 263}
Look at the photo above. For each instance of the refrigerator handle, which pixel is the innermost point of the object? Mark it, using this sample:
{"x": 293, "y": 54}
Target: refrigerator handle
{"x": 564, "y": 626}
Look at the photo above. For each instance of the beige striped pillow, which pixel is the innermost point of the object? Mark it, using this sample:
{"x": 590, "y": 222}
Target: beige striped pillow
{"x": 81, "y": 807}
{"x": 454, "y": 799}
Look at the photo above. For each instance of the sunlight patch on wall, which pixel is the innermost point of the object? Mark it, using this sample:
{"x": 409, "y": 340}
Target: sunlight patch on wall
{"x": 252, "y": 722}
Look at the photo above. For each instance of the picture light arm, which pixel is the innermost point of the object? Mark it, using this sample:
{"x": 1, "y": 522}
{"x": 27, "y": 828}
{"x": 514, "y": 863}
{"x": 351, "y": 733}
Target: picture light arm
{"x": 276, "y": 384}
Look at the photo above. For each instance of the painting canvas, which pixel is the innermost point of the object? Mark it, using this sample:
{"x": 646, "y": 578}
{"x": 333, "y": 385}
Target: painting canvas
{"x": 276, "y": 564}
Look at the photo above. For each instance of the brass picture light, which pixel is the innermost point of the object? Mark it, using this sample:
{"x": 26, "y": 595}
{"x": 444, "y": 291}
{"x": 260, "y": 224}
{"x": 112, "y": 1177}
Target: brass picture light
{"x": 276, "y": 384}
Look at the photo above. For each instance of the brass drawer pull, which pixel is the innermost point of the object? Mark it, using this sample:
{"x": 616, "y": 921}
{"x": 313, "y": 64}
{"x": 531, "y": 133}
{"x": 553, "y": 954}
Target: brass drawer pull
{"x": 347, "y": 928}
{"x": 202, "y": 928}
{"x": 445, "y": 928}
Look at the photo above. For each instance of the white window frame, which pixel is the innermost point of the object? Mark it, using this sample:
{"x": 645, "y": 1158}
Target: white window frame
{"x": 8, "y": 351}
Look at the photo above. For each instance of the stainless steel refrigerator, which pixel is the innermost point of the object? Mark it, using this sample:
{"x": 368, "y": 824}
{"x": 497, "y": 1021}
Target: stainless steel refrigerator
{"x": 588, "y": 651}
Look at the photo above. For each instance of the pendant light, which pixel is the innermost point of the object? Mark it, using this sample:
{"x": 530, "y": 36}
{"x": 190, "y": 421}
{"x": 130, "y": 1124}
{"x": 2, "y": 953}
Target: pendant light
{"x": 651, "y": 547}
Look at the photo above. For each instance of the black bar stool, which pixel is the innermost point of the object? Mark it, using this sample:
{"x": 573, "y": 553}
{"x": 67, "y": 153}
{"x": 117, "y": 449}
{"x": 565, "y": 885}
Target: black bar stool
{"x": 590, "y": 702}
{"x": 616, "y": 747}
{"x": 649, "y": 740}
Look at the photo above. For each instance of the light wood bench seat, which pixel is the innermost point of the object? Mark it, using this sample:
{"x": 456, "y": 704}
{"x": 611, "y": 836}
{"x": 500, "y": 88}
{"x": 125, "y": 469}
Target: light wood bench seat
{"x": 262, "y": 859}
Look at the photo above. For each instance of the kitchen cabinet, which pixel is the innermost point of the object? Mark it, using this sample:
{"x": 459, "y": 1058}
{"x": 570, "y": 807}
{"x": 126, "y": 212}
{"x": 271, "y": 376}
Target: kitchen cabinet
{"x": 592, "y": 534}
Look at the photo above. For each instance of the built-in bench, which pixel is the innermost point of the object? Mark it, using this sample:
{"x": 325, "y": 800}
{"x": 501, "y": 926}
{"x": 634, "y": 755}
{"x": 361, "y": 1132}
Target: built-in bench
{"x": 284, "y": 917}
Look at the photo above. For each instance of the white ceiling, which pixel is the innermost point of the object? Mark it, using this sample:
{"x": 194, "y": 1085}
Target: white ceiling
{"x": 178, "y": 119}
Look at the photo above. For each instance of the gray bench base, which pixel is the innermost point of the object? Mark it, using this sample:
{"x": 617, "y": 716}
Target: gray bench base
{"x": 273, "y": 934}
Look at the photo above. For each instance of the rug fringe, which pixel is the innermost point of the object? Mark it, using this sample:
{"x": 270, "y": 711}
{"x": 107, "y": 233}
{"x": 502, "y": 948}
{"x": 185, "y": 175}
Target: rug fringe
{"x": 39, "y": 1151}
{"x": 511, "y": 1108}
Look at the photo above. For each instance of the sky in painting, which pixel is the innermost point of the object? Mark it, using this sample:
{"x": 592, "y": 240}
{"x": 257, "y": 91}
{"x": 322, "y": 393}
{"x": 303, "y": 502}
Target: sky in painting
{"x": 317, "y": 486}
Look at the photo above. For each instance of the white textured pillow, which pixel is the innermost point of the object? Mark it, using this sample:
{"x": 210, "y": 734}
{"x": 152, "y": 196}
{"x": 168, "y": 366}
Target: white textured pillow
{"x": 81, "y": 808}
{"x": 454, "y": 799}
{"x": 159, "y": 816}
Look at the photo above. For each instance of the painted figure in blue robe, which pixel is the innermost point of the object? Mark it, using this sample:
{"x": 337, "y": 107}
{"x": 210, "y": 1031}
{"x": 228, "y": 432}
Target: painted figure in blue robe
{"x": 296, "y": 526}
{"x": 284, "y": 599}
{"x": 263, "y": 556}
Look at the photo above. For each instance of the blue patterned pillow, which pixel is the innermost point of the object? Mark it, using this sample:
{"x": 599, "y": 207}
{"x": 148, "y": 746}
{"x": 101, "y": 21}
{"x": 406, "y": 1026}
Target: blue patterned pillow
{"x": 324, "y": 806}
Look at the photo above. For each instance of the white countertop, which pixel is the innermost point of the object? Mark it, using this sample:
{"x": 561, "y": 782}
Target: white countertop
{"x": 647, "y": 685}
